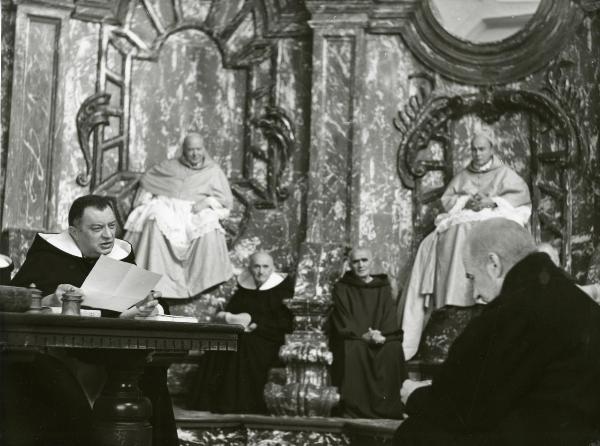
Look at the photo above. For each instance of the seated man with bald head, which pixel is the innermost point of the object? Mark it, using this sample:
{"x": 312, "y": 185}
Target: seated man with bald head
{"x": 524, "y": 372}
{"x": 485, "y": 189}
{"x": 175, "y": 227}
{"x": 366, "y": 342}
{"x": 233, "y": 382}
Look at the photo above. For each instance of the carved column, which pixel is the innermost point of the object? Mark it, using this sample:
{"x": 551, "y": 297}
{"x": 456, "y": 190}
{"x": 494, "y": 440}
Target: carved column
{"x": 333, "y": 189}
{"x": 37, "y": 103}
{"x": 304, "y": 387}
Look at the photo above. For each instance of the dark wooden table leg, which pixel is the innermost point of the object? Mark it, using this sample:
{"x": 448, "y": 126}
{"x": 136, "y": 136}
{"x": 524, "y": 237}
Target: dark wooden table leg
{"x": 121, "y": 415}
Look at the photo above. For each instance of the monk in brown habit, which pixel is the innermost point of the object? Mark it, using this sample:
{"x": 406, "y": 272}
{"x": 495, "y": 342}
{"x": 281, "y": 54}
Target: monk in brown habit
{"x": 366, "y": 341}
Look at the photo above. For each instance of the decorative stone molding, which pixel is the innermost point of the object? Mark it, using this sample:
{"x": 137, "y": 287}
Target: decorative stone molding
{"x": 94, "y": 112}
{"x": 304, "y": 387}
{"x": 509, "y": 60}
{"x": 307, "y": 390}
{"x": 243, "y": 52}
{"x": 279, "y": 131}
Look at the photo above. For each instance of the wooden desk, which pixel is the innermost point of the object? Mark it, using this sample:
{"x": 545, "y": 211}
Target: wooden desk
{"x": 121, "y": 413}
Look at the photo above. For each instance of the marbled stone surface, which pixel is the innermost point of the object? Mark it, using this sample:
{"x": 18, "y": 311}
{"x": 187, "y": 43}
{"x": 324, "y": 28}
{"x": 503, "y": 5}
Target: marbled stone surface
{"x": 265, "y": 437}
{"x": 7, "y": 43}
{"x": 81, "y": 51}
{"x": 331, "y": 172}
{"x": 341, "y": 86}
{"x": 186, "y": 89}
{"x": 384, "y": 206}
{"x": 30, "y": 168}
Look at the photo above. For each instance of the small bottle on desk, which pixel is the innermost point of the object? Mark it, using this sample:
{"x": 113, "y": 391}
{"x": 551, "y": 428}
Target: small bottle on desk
{"x": 71, "y": 303}
{"x": 36, "y": 300}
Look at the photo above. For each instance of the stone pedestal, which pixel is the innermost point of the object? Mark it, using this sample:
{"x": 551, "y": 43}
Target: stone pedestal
{"x": 304, "y": 388}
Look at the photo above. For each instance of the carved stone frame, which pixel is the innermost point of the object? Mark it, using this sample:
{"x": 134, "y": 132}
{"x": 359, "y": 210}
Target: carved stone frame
{"x": 269, "y": 134}
{"x": 554, "y": 108}
{"x": 500, "y": 62}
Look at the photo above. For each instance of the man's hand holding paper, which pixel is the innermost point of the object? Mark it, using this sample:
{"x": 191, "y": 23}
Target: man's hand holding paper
{"x": 118, "y": 286}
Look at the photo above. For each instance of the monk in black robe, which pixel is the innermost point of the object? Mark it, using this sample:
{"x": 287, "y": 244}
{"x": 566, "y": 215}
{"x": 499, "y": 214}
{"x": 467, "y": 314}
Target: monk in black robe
{"x": 56, "y": 263}
{"x": 366, "y": 341}
{"x": 229, "y": 382}
{"x": 527, "y": 370}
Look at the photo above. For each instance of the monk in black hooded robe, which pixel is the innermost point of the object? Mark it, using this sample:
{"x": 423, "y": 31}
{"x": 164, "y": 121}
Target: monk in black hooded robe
{"x": 233, "y": 382}
{"x": 67, "y": 258}
{"x": 366, "y": 341}
{"x": 526, "y": 372}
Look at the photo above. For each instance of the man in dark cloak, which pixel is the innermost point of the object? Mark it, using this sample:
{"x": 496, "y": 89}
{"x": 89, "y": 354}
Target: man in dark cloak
{"x": 366, "y": 341}
{"x": 58, "y": 263}
{"x": 527, "y": 370}
{"x": 229, "y": 382}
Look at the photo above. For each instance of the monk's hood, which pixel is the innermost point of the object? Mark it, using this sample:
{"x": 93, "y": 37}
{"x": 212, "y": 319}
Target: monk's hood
{"x": 65, "y": 243}
{"x": 245, "y": 280}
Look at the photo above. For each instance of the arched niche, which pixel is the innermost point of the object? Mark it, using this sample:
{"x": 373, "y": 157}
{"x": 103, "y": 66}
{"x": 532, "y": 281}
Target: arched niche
{"x": 555, "y": 147}
{"x": 186, "y": 88}
{"x": 508, "y": 60}
{"x": 217, "y": 39}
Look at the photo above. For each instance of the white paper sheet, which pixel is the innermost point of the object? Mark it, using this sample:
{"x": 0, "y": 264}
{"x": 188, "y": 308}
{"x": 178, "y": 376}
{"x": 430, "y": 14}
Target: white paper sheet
{"x": 115, "y": 285}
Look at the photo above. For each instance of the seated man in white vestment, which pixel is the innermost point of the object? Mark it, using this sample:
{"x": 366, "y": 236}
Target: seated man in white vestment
{"x": 485, "y": 189}
{"x": 175, "y": 228}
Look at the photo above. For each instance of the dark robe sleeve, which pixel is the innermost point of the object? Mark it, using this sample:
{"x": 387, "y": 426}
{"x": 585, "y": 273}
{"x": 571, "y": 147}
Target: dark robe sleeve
{"x": 496, "y": 360}
{"x": 33, "y": 271}
{"x": 389, "y": 326}
{"x": 342, "y": 318}
{"x": 235, "y": 304}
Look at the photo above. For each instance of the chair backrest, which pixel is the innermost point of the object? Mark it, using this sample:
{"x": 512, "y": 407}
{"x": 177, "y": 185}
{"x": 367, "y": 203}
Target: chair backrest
{"x": 535, "y": 138}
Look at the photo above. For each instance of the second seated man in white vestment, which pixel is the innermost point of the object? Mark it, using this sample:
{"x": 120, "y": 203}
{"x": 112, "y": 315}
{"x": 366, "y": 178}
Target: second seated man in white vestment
{"x": 485, "y": 189}
{"x": 175, "y": 228}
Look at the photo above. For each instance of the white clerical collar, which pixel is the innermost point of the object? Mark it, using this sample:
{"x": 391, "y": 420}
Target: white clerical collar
{"x": 493, "y": 161}
{"x": 245, "y": 280}
{"x": 65, "y": 243}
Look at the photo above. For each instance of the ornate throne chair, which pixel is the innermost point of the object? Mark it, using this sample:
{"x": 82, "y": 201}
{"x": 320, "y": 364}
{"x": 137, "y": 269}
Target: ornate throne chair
{"x": 538, "y": 137}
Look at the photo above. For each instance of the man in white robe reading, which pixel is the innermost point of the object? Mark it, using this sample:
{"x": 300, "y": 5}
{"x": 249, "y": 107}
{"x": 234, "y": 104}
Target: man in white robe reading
{"x": 485, "y": 189}
{"x": 175, "y": 226}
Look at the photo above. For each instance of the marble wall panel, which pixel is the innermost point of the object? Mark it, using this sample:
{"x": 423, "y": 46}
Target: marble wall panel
{"x": 195, "y": 9}
{"x": 29, "y": 172}
{"x": 384, "y": 205}
{"x": 79, "y": 83}
{"x": 222, "y": 12}
{"x": 242, "y": 35}
{"x": 584, "y": 53}
{"x": 186, "y": 89}
{"x": 332, "y": 150}
{"x": 58, "y": 76}
{"x": 292, "y": 93}
{"x": 7, "y": 44}
{"x": 142, "y": 25}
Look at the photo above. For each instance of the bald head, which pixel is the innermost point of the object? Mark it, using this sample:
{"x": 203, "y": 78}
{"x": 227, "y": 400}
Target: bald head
{"x": 192, "y": 137}
{"x": 193, "y": 149}
{"x": 492, "y": 249}
{"x": 360, "y": 262}
{"x": 261, "y": 267}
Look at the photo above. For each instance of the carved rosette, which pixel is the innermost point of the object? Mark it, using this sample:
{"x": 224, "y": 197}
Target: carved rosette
{"x": 305, "y": 387}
